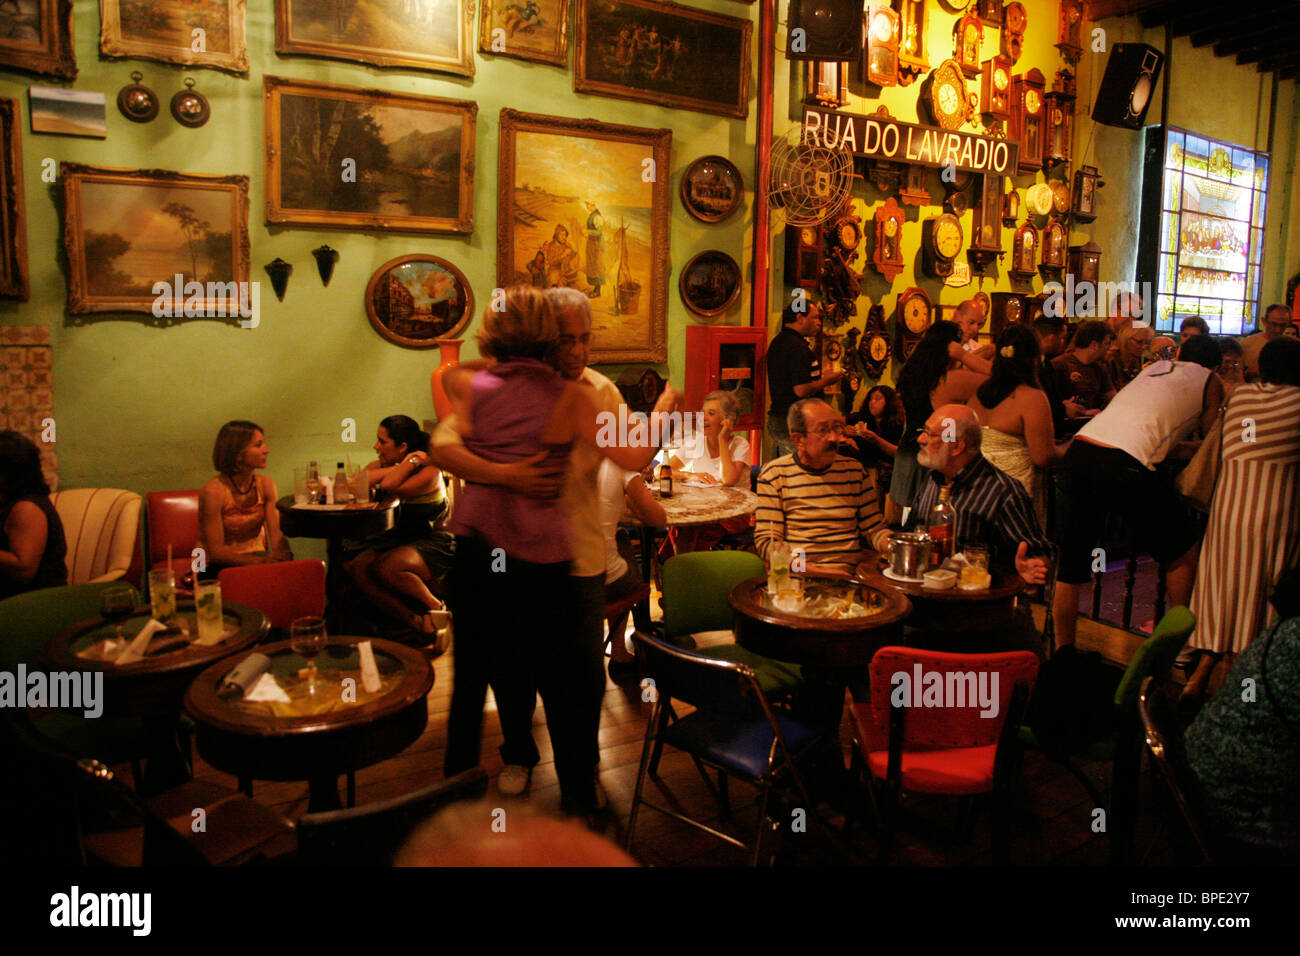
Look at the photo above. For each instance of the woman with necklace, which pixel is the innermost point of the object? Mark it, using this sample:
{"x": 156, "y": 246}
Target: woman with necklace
{"x": 238, "y": 523}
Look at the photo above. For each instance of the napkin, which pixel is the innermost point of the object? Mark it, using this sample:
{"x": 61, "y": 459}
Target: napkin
{"x": 369, "y": 670}
{"x": 267, "y": 689}
{"x": 140, "y": 643}
{"x": 243, "y": 676}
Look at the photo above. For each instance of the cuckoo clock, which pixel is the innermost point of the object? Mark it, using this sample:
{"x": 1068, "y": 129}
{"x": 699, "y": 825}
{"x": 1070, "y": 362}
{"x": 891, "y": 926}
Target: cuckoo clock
{"x": 1027, "y": 118}
{"x": 880, "y": 65}
{"x": 888, "y": 255}
{"x": 1024, "y": 253}
{"x": 912, "y": 61}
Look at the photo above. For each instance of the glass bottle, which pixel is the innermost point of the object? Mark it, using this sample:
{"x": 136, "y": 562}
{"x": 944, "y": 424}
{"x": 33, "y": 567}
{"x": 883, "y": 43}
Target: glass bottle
{"x": 313, "y": 484}
{"x": 665, "y": 480}
{"x": 942, "y": 528}
{"x": 342, "y": 491}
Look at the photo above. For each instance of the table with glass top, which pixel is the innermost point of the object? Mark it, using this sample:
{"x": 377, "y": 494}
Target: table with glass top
{"x": 314, "y": 736}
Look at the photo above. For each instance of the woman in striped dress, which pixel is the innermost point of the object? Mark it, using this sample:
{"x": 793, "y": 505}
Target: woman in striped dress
{"x": 1254, "y": 530}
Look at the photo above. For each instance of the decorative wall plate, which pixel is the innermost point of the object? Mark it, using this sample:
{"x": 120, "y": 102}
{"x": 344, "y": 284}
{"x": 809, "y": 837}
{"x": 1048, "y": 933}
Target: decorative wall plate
{"x": 416, "y": 300}
{"x": 710, "y": 283}
{"x": 712, "y": 188}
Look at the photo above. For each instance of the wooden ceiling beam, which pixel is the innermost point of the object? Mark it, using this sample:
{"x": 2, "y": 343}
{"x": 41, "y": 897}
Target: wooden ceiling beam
{"x": 1269, "y": 49}
{"x": 1101, "y": 9}
{"x": 1279, "y": 63}
{"x": 1187, "y": 16}
{"x": 1237, "y": 37}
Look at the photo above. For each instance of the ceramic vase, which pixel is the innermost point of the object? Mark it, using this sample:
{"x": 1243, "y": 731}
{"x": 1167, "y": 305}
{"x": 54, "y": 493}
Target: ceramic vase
{"x": 450, "y": 349}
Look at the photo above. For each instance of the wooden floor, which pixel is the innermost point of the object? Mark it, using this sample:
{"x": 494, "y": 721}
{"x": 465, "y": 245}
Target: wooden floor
{"x": 1054, "y": 818}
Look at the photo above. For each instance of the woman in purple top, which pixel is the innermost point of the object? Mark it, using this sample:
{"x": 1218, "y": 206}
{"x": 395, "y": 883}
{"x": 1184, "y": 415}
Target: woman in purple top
{"x": 510, "y": 585}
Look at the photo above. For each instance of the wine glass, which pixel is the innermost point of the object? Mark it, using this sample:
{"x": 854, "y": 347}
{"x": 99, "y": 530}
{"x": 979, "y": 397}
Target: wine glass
{"x": 307, "y": 637}
{"x": 117, "y": 604}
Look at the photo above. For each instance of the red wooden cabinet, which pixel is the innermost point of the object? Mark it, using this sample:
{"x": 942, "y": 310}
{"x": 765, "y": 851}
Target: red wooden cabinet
{"x": 728, "y": 357}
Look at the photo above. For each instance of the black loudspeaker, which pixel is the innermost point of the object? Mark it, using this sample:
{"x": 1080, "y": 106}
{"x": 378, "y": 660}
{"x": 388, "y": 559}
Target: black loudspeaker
{"x": 830, "y": 30}
{"x": 1128, "y": 86}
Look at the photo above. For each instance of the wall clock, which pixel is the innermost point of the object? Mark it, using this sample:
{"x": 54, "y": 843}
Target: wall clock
{"x": 1053, "y": 263}
{"x": 880, "y": 65}
{"x": 1013, "y": 30}
{"x": 1086, "y": 183}
{"x": 873, "y": 352}
{"x": 995, "y": 88}
{"x": 1038, "y": 199}
{"x": 1069, "y": 28}
{"x": 941, "y": 240}
{"x": 913, "y": 191}
{"x": 1085, "y": 263}
{"x": 1058, "y": 110}
{"x": 888, "y": 255}
{"x": 1024, "y": 253}
{"x": 1060, "y": 197}
{"x": 1005, "y": 308}
{"x": 968, "y": 37}
{"x": 1027, "y": 118}
{"x": 946, "y": 95}
{"x": 912, "y": 316}
{"x": 803, "y": 256}
{"x": 986, "y": 227}
{"x": 912, "y": 61}
{"x": 832, "y": 357}
{"x": 1035, "y": 306}
{"x": 990, "y": 11}
{"x": 981, "y": 300}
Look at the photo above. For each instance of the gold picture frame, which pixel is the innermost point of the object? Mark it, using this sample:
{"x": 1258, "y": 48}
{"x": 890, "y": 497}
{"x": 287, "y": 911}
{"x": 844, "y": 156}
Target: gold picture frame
{"x": 130, "y": 28}
{"x": 378, "y": 34}
{"x": 44, "y": 49}
{"x": 417, "y": 300}
{"x": 559, "y": 177}
{"x": 343, "y": 184}
{"x": 13, "y": 228}
{"x": 117, "y": 220}
{"x": 534, "y": 30}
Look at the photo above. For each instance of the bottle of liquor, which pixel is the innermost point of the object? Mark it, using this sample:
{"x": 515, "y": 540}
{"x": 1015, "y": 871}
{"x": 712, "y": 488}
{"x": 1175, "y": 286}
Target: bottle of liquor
{"x": 313, "y": 484}
{"x": 942, "y": 527}
{"x": 665, "y": 481}
{"x": 342, "y": 491}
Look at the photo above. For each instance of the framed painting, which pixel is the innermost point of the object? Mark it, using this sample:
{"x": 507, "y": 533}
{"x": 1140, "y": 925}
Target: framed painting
{"x": 585, "y": 205}
{"x": 13, "y": 228}
{"x": 435, "y": 35}
{"x": 349, "y": 158}
{"x": 418, "y": 299}
{"x": 536, "y": 30}
{"x": 125, "y": 230}
{"x": 36, "y": 37}
{"x": 663, "y": 53}
{"x": 198, "y": 33}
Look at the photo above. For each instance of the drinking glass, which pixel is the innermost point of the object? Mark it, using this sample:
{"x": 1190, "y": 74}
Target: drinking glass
{"x": 307, "y": 637}
{"x": 162, "y": 594}
{"x": 779, "y": 567}
{"x": 117, "y": 604}
{"x": 359, "y": 479}
{"x": 977, "y": 555}
{"x": 300, "y": 495}
{"x": 207, "y": 610}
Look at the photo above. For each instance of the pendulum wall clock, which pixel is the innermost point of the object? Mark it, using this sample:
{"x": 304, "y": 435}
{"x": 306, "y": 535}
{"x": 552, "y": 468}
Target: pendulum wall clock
{"x": 1005, "y": 308}
{"x": 1069, "y": 29}
{"x": 888, "y": 255}
{"x": 1027, "y": 119}
{"x": 803, "y": 256}
{"x": 990, "y": 11}
{"x": 912, "y": 61}
{"x": 1053, "y": 263}
{"x": 1024, "y": 253}
{"x": 995, "y": 88}
{"x": 941, "y": 240}
{"x": 912, "y": 316}
{"x": 986, "y": 231}
{"x": 1058, "y": 109}
{"x": 880, "y": 65}
{"x": 1086, "y": 183}
{"x": 1013, "y": 31}
{"x": 968, "y": 36}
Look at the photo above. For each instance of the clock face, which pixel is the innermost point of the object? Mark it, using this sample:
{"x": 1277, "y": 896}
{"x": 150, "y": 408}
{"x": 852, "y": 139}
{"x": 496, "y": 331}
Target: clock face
{"x": 1015, "y": 18}
{"x": 947, "y": 237}
{"x": 949, "y": 99}
{"x": 916, "y": 315}
{"x": 1060, "y": 198}
{"x": 1033, "y": 102}
{"x": 1054, "y": 245}
{"x": 879, "y": 348}
{"x": 849, "y": 236}
{"x": 807, "y": 236}
{"x": 891, "y": 227}
{"x": 1013, "y": 310}
{"x": 882, "y": 28}
{"x": 1000, "y": 79}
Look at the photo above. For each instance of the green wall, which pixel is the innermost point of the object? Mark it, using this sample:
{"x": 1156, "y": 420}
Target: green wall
{"x": 137, "y": 406}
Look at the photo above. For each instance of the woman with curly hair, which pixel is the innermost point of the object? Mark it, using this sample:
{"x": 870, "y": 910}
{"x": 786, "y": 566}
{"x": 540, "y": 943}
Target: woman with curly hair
{"x": 32, "y": 547}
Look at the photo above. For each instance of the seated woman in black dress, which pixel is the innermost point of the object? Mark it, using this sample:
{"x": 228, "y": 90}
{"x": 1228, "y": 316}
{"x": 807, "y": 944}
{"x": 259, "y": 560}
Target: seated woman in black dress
{"x": 875, "y": 431}
{"x": 400, "y": 570}
{"x": 32, "y": 546}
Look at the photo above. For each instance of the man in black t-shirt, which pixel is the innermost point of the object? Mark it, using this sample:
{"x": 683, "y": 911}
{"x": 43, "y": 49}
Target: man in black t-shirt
{"x": 793, "y": 371}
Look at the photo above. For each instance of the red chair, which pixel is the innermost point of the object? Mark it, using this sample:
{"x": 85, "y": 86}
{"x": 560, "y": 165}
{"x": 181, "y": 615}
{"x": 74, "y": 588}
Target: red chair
{"x": 282, "y": 590}
{"x": 944, "y": 742}
{"x": 172, "y": 519}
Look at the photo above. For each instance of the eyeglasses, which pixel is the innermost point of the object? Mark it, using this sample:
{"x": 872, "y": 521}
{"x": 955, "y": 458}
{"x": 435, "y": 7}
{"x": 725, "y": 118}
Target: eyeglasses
{"x": 932, "y": 432}
{"x": 821, "y": 431}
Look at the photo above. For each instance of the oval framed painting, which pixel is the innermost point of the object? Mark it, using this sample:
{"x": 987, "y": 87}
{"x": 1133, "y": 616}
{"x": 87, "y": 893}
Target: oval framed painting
{"x": 712, "y": 188}
{"x": 416, "y": 300}
{"x": 710, "y": 283}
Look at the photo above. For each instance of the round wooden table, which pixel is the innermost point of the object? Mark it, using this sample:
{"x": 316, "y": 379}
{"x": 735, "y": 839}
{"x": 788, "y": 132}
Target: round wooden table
{"x": 954, "y": 618}
{"x": 334, "y": 523}
{"x": 693, "y": 504}
{"x": 153, "y": 688}
{"x": 341, "y": 729}
{"x": 823, "y": 642}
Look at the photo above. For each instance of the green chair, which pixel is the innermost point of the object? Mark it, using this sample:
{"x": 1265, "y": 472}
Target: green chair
{"x": 1121, "y": 744}
{"x": 27, "y": 622}
{"x": 696, "y": 585}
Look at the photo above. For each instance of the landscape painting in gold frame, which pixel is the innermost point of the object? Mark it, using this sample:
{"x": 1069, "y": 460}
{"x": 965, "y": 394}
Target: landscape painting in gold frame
{"x": 536, "y": 30}
{"x": 197, "y": 33}
{"x": 435, "y": 35}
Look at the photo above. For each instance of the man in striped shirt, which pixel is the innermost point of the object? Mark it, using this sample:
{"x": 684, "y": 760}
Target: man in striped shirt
{"x": 993, "y": 509}
{"x": 819, "y": 501}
